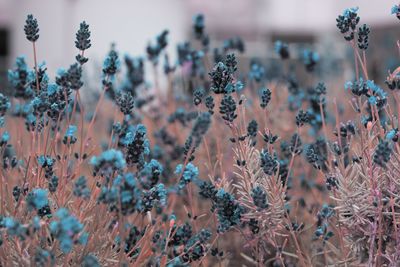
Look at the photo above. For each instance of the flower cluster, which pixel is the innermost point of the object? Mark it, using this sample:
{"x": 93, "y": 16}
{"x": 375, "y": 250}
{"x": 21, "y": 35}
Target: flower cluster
{"x": 188, "y": 174}
{"x": 108, "y": 162}
{"x": 67, "y": 230}
{"x": 82, "y": 41}
{"x": 229, "y": 212}
{"x": 31, "y": 28}
{"x": 123, "y": 195}
{"x": 396, "y": 10}
{"x": 282, "y": 49}
{"x": 268, "y": 163}
{"x": 265, "y": 97}
{"x": 153, "y": 51}
{"x": 347, "y": 23}
{"x": 228, "y": 108}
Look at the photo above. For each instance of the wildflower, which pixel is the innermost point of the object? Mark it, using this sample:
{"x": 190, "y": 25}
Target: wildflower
{"x": 53, "y": 184}
{"x": 282, "y": 49}
{"x": 4, "y": 104}
{"x": 44, "y": 258}
{"x": 136, "y": 145}
{"x": 9, "y": 157}
{"x": 31, "y": 28}
{"x": 43, "y": 78}
{"x": 197, "y": 67}
{"x": 126, "y": 102}
{"x": 322, "y": 225}
{"x": 378, "y": 97}
{"x": 69, "y": 137}
{"x": 167, "y": 67}
{"x": 331, "y": 182}
{"x": 363, "y": 33}
{"x": 347, "y": 23}
{"x": 80, "y": 188}
{"x": 196, "y": 248}
{"x": 396, "y": 10}
{"x": 229, "y": 212}
{"x": 252, "y": 128}
{"x": 155, "y": 196}
{"x": 382, "y": 153}
{"x": 184, "y": 51}
{"x": 207, "y": 190}
{"x": 200, "y": 127}
{"x": 198, "y": 95}
{"x": 358, "y": 88}
{"x": 14, "y": 227}
{"x": 46, "y": 163}
{"x": 182, "y": 116}
{"x": 5, "y": 137}
{"x": 111, "y": 63}
{"x": 265, "y": 97}
{"x": 154, "y": 51}
{"x": 18, "y": 78}
{"x": 16, "y": 193}
{"x": 90, "y": 260}
{"x": 134, "y": 75}
{"x": 302, "y": 118}
{"x": 257, "y": 71}
{"x": 74, "y": 76}
{"x": 37, "y": 199}
{"x": 312, "y": 157}
{"x": 82, "y": 37}
{"x": 235, "y": 43}
{"x": 392, "y": 135}
{"x": 310, "y": 59}
{"x": 189, "y": 174}
{"x": 123, "y": 195}
{"x": 393, "y": 82}
{"x": 231, "y": 63}
{"x": 66, "y": 230}
{"x": 228, "y": 108}
{"x": 198, "y": 25}
{"x": 269, "y": 138}
{"x": 108, "y": 162}
{"x": 320, "y": 89}
{"x": 221, "y": 77}
{"x": 209, "y": 102}
{"x": 268, "y": 163}
{"x": 182, "y": 234}
{"x": 259, "y": 197}
{"x": 151, "y": 173}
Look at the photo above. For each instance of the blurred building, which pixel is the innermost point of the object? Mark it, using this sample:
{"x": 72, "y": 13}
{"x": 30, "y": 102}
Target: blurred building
{"x": 131, "y": 24}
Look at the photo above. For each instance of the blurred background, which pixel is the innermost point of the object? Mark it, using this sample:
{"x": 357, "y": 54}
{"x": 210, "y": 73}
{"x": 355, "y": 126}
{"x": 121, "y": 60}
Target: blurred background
{"x": 131, "y": 24}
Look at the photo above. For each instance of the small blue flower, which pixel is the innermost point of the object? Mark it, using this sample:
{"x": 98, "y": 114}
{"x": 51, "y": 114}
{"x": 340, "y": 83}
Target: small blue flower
{"x": 191, "y": 173}
{"x": 391, "y": 134}
{"x": 112, "y": 158}
{"x": 14, "y": 228}
{"x": 372, "y": 100}
{"x": 45, "y": 161}
{"x": 239, "y": 86}
{"x": 5, "y": 137}
{"x": 69, "y": 137}
{"x": 66, "y": 228}
{"x": 37, "y": 199}
{"x": 348, "y": 11}
{"x": 395, "y": 9}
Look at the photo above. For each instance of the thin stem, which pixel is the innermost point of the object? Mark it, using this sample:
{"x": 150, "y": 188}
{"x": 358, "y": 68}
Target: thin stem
{"x": 36, "y": 69}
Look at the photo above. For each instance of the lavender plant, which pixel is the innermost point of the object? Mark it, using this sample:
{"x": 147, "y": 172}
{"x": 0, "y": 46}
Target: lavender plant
{"x": 237, "y": 167}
